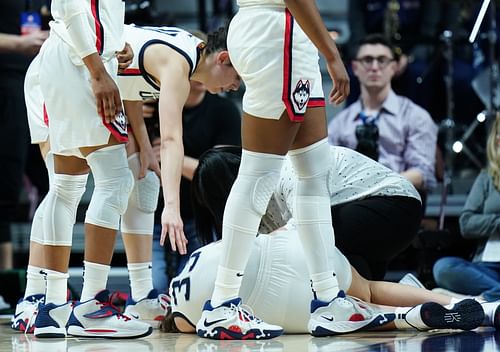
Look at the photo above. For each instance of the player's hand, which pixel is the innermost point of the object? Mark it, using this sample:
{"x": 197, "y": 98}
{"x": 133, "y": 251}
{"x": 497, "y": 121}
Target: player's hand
{"x": 107, "y": 96}
{"x": 340, "y": 79}
{"x": 173, "y": 228}
{"x": 30, "y": 44}
{"x": 148, "y": 162}
{"x": 124, "y": 57}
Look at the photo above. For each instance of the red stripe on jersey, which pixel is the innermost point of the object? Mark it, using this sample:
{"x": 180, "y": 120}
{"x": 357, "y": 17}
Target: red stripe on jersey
{"x": 131, "y": 71}
{"x": 45, "y": 116}
{"x": 316, "y": 103}
{"x": 287, "y": 58}
{"x": 98, "y": 26}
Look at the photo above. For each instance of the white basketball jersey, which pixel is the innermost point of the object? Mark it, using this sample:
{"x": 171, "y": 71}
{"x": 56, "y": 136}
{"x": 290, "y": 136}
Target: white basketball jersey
{"x": 135, "y": 83}
{"x": 275, "y": 284}
{"x": 105, "y": 22}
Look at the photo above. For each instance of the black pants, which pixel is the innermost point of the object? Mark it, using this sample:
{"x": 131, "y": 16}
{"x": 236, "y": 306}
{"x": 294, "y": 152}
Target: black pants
{"x": 14, "y": 143}
{"x": 372, "y": 231}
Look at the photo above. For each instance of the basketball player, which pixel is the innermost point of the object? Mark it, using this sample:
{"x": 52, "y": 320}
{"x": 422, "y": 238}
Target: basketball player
{"x": 167, "y": 59}
{"x": 275, "y": 285}
{"x": 144, "y": 302}
{"x": 77, "y": 68}
{"x": 276, "y": 55}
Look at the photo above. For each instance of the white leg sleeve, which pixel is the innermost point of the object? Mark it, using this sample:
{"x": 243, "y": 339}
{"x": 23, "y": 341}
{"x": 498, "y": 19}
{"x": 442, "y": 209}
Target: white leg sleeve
{"x": 139, "y": 216}
{"x": 59, "y": 210}
{"x": 113, "y": 183}
{"x": 313, "y": 215}
{"x": 257, "y": 178}
{"x": 36, "y": 233}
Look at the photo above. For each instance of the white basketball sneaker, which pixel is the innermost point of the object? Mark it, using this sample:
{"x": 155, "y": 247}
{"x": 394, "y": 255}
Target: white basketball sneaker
{"x": 97, "y": 317}
{"x": 230, "y": 321}
{"x": 26, "y": 310}
{"x": 151, "y": 309}
{"x": 51, "y": 320}
{"x": 343, "y": 315}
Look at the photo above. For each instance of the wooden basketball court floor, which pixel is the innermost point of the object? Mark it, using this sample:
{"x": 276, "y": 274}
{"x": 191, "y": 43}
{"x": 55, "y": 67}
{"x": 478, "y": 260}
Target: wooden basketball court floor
{"x": 480, "y": 340}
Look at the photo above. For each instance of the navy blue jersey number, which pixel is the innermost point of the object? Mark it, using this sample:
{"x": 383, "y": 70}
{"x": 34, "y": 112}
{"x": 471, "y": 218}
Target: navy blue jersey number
{"x": 185, "y": 284}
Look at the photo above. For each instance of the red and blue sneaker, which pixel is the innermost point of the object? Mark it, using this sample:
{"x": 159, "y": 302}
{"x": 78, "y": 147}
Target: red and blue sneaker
{"x": 98, "y": 317}
{"x": 230, "y": 321}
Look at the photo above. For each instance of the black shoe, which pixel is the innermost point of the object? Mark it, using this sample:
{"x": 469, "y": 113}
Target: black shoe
{"x": 467, "y": 314}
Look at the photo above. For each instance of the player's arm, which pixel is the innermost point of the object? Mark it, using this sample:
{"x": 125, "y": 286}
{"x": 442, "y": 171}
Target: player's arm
{"x": 74, "y": 16}
{"x": 307, "y": 15}
{"x": 172, "y": 70}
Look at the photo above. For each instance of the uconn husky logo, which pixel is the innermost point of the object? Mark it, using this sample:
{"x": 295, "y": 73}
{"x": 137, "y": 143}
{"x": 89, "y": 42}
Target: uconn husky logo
{"x": 301, "y": 93}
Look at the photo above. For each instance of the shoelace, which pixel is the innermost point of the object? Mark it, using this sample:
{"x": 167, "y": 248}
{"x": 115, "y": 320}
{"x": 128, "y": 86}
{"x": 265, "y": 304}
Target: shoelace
{"x": 109, "y": 303}
{"x": 245, "y": 313}
{"x": 33, "y": 316}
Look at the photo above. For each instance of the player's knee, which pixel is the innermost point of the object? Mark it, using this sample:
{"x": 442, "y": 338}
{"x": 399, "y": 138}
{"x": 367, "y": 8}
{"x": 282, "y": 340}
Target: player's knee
{"x": 311, "y": 164}
{"x": 113, "y": 183}
{"x": 258, "y": 176}
{"x": 144, "y": 195}
{"x": 62, "y": 202}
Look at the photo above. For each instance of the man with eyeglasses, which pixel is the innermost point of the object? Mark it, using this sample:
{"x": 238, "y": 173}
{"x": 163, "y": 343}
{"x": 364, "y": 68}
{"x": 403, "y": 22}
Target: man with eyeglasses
{"x": 384, "y": 126}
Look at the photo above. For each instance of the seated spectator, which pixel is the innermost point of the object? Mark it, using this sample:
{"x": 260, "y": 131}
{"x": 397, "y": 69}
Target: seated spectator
{"x": 384, "y": 126}
{"x": 480, "y": 220}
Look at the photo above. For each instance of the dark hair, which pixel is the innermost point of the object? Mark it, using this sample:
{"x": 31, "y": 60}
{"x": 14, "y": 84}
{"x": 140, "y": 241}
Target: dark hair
{"x": 216, "y": 40}
{"x": 168, "y": 322}
{"x": 212, "y": 182}
{"x": 377, "y": 38}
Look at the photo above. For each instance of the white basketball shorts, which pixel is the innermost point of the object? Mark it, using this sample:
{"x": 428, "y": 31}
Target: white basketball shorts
{"x": 276, "y": 61}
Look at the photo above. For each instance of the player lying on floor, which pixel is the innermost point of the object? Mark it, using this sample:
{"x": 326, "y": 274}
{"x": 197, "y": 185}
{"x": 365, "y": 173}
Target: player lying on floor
{"x": 275, "y": 285}
{"x": 279, "y": 269}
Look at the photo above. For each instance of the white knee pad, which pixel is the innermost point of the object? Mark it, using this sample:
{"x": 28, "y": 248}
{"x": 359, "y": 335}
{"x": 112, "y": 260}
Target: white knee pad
{"x": 142, "y": 202}
{"x": 311, "y": 164}
{"x": 258, "y": 176}
{"x": 36, "y": 233}
{"x": 59, "y": 210}
{"x": 113, "y": 183}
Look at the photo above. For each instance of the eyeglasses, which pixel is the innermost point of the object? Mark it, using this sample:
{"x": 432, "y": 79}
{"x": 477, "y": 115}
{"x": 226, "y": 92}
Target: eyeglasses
{"x": 367, "y": 135}
{"x": 367, "y": 61}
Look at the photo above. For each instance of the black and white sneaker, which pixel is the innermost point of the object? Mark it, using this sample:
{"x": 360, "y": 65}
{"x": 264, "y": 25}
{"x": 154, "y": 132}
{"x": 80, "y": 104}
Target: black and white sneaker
{"x": 467, "y": 314}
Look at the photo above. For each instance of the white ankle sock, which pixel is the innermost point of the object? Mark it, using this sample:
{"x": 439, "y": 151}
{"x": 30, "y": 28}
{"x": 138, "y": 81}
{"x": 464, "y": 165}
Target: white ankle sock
{"x": 57, "y": 287}
{"x": 325, "y": 286}
{"x": 95, "y": 279}
{"x": 227, "y": 285}
{"x": 35, "y": 281}
{"x": 141, "y": 280}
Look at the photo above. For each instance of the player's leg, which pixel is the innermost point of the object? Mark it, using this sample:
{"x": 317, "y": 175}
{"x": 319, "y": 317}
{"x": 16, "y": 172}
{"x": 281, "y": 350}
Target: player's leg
{"x": 59, "y": 213}
{"x": 137, "y": 233}
{"x": 34, "y": 293}
{"x": 93, "y": 316}
{"x": 415, "y": 307}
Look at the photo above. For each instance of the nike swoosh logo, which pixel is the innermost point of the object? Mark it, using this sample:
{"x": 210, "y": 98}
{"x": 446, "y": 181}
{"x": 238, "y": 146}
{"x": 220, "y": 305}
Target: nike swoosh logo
{"x": 210, "y": 323}
{"x": 134, "y": 316}
{"x": 327, "y": 318}
{"x": 16, "y": 315}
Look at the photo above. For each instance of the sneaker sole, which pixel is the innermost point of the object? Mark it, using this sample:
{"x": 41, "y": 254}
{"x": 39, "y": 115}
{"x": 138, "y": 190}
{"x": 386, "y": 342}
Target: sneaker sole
{"x": 465, "y": 315}
{"x": 78, "y": 331}
{"x": 50, "y": 332}
{"x": 221, "y": 333}
{"x": 345, "y": 327}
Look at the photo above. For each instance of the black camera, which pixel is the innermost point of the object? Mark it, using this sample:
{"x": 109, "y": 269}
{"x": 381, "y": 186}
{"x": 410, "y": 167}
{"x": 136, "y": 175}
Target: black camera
{"x": 367, "y": 136}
